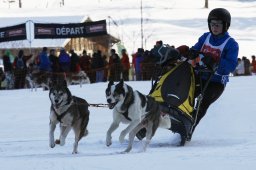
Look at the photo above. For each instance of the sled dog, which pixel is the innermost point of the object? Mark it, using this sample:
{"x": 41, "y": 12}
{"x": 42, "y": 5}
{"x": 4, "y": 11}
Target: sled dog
{"x": 38, "y": 79}
{"x": 77, "y": 78}
{"x": 70, "y": 111}
{"x": 135, "y": 109}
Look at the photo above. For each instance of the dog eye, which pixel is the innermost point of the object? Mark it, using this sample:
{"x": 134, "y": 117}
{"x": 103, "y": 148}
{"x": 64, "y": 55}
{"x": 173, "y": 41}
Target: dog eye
{"x": 108, "y": 93}
{"x": 115, "y": 94}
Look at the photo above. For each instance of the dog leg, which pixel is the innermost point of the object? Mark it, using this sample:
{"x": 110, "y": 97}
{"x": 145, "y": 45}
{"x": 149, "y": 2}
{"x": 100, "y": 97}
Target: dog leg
{"x": 78, "y": 137}
{"x": 149, "y": 135}
{"x": 64, "y": 132}
{"x": 111, "y": 129}
{"x": 51, "y": 134}
{"x": 132, "y": 135}
{"x": 127, "y": 130}
{"x": 76, "y": 142}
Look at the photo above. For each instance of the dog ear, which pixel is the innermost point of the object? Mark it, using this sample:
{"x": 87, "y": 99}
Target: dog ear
{"x": 110, "y": 83}
{"x": 122, "y": 81}
{"x": 65, "y": 83}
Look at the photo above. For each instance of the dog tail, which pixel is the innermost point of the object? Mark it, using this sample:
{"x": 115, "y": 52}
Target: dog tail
{"x": 86, "y": 132}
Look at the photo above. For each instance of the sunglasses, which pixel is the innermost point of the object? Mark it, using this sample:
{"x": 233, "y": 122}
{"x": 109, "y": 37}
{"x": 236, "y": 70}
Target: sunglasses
{"x": 217, "y": 25}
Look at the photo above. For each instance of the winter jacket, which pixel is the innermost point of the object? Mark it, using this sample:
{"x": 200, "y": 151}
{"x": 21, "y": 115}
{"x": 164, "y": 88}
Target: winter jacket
{"x": 44, "y": 62}
{"x": 74, "y": 62}
{"x": 138, "y": 60}
{"x": 64, "y": 57}
{"x": 125, "y": 62}
{"x": 254, "y": 66}
{"x": 7, "y": 63}
{"x": 64, "y": 61}
{"x": 227, "y": 59}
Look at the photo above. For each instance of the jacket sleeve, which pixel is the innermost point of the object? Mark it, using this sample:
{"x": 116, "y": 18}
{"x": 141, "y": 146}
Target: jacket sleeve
{"x": 200, "y": 42}
{"x": 229, "y": 56}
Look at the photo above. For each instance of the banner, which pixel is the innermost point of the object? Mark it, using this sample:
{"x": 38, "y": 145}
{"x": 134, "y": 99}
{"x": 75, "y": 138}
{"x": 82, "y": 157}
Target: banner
{"x": 72, "y": 30}
{"x": 13, "y": 33}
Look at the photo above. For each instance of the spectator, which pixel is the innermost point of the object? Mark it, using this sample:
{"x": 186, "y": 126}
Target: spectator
{"x": 55, "y": 67}
{"x": 253, "y": 64}
{"x": 246, "y": 66}
{"x": 240, "y": 67}
{"x": 20, "y": 69}
{"x": 85, "y": 62}
{"x": 147, "y": 64}
{"x": 125, "y": 65}
{"x": 44, "y": 62}
{"x": 98, "y": 66}
{"x": 114, "y": 66}
{"x": 8, "y": 70}
{"x": 138, "y": 60}
{"x": 74, "y": 62}
{"x": 64, "y": 60}
{"x": 106, "y": 65}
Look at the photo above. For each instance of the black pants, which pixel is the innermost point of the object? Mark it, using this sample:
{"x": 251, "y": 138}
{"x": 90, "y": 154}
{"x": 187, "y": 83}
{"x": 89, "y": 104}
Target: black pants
{"x": 211, "y": 94}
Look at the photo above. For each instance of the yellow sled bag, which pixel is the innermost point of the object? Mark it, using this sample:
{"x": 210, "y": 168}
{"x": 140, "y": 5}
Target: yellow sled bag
{"x": 176, "y": 89}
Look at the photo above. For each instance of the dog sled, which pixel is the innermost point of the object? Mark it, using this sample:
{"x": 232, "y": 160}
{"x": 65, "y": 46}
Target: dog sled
{"x": 173, "y": 87}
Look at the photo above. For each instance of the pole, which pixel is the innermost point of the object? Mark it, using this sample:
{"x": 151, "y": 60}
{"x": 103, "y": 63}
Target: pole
{"x": 141, "y": 24}
{"x": 30, "y": 35}
{"x": 20, "y": 4}
{"x": 206, "y": 4}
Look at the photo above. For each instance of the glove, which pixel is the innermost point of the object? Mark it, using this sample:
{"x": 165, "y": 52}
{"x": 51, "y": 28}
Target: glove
{"x": 209, "y": 60}
{"x": 183, "y": 50}
{"x": 192, "y": 54}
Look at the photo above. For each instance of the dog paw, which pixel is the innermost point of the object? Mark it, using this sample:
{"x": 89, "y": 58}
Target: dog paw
{"x": 57, "y": 141}
{"x": 108, "y": 141}
{"x": 74, "y": 152}
{"x": 127, "y": 150}
{"x": 52, "y": 145}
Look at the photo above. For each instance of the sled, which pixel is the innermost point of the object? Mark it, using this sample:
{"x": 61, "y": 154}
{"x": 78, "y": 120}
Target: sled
{"x": 174, "y": 90}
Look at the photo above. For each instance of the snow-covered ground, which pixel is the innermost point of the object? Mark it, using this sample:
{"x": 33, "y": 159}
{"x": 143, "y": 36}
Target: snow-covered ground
{"x": 225, "y": 139}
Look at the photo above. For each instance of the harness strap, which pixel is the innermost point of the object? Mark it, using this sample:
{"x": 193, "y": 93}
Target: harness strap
{"x": 59, "y": 117}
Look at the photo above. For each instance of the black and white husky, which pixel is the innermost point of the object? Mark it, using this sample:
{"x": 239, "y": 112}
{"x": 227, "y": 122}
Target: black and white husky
{"x": 135, "y": 109}
{"x": 71, "y": 112}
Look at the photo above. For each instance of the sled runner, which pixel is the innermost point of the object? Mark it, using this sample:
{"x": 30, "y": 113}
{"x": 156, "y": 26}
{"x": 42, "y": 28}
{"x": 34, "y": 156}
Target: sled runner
{"x": 174, "y": 90}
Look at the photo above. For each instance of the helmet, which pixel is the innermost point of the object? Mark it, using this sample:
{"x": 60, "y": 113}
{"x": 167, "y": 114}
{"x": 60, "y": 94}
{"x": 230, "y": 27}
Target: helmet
{"x": 220, "y": 14}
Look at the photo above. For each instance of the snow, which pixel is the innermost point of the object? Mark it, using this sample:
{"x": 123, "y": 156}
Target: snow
{"x": 224, "y": 139}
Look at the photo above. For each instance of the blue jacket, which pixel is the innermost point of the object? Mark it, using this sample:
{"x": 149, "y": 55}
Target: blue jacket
{"x": 44, "y": 64}
{"x": 228, "y": 58}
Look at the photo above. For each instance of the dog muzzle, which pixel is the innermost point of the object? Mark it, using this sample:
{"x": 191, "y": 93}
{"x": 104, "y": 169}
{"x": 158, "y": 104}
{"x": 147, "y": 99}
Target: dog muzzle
{"x": 111, "y": 105}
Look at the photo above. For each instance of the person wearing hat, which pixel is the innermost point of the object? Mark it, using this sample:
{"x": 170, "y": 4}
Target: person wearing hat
{"x": 220, "y": 52}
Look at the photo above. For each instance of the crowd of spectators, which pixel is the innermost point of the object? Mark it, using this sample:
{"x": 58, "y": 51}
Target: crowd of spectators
{"x": 98, "y": 67}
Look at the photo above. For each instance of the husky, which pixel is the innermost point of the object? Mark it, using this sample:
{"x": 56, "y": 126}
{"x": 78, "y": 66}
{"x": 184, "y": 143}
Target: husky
{"x": 77, "y": 78}
{"x": 38, "y": 79}
{"x": 135, "y": 109}
{"x": 70, "y": 111}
